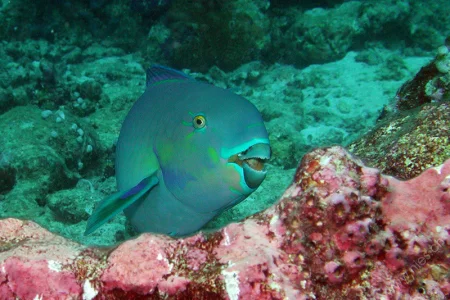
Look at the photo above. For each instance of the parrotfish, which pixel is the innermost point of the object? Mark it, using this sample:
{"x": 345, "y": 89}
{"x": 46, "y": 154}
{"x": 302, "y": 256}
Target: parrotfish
{"x": 187, "y": 151}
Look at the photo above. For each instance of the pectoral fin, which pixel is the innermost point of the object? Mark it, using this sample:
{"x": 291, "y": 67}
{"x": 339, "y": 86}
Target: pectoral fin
{"x": 115, "y": 203}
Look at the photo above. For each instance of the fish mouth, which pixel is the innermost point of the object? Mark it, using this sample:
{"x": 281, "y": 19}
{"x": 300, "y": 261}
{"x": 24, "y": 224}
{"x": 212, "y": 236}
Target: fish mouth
{"x": 252, "y": 161}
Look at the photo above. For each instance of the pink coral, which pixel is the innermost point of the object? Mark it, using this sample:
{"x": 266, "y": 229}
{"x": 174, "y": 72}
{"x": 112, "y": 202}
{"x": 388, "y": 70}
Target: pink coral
{"x": 340, "y": 230}
{"x": 334, "y": 272}
{"x": 414, "y": 202}
{"x": 354, "y": 260}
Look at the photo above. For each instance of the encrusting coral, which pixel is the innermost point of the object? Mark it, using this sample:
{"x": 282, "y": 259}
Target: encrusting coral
{"x": 414, "y": 136}
{"x": 340, "y": 229}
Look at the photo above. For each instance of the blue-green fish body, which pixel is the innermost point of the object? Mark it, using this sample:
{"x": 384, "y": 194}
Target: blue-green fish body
{"x": 186, "y": 152}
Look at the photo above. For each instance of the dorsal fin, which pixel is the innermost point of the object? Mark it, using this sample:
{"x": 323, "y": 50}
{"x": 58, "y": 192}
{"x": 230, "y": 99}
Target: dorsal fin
{"x": 158, "y": 73}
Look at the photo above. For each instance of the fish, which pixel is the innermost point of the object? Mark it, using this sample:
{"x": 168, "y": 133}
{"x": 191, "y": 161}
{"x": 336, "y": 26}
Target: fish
{"x": 187, "y": 151}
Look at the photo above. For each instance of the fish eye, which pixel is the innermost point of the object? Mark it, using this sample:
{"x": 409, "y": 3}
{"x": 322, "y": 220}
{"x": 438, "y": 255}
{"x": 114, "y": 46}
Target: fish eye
{"x": 199, "y": 122}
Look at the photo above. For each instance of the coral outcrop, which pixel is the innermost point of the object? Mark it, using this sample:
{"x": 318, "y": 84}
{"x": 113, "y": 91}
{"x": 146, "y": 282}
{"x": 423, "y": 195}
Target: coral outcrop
{"x": 412, "y": 134}
{"x": 340, "y": 229}
{"x": 431, "y": 83}
{"x": 302, "y": 36}
{"x": 408, "y": 143}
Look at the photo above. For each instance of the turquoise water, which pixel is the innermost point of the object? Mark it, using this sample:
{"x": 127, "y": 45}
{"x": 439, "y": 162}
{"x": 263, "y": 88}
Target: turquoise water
{"x": 320, "y": 72}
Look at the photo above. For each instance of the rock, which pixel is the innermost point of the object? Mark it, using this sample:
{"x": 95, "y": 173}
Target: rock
{"x": 340, "y": 229}
{"x": 412, "y": 133}
{"x": 315, "y": 40}
{"x": 40, "y": 156}
{"x": 406, "y": 144}
{"x": 70, "y": 205}
{"x": 431, "y": 83}
{"x": 199, "y": 38}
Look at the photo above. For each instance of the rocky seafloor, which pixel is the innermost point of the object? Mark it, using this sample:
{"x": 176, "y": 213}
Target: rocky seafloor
{"x": 341, "y": 229}
{"x": 370, "y": 76}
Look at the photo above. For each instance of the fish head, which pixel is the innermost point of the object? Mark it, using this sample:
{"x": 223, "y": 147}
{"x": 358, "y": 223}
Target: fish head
{"x": 212, "y": 156}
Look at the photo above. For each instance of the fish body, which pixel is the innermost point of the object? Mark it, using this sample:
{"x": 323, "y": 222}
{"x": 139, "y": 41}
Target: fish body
{"x": 186, "y": 152}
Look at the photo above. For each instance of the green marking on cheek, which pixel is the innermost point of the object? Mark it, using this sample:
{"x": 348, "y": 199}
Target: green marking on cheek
{"x": 166, "y": 152}
{"x": 189, "y": 135}
{"x": 213, "y": 155}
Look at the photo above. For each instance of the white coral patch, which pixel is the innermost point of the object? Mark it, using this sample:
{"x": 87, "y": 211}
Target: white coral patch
{"x": 231, "y": 284}
{"x": 54, "y": 265}
{"x": 438, "y": 169}
{"x": 89, "y": 292}
{"x": 227, "y": 237}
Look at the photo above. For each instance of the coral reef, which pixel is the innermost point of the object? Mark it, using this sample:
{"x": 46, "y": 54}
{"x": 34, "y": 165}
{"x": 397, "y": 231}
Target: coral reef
{"x": 222, "y": 33}
{"x": 322, "y": 34}
{"x": 412, "y": 133}
{"x": 340, "y": 229}
{"x": 72, "y": 22}
{"x": 431, "y": 83}
{"x": 42, "y": 152}
{"x": 228, "y": 34}
{"x": 71, "y": 69}
{"x": 97, "y": 85}
{"x": 311, "y": 39}
{"x": 408, "y": 143}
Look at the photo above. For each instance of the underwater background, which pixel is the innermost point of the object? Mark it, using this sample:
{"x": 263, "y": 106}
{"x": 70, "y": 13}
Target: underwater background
{"x": 321, "y": 73}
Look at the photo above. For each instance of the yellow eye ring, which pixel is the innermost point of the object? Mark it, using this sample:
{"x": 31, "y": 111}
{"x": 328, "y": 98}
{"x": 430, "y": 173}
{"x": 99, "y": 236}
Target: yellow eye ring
{"x": 199, "y": 122}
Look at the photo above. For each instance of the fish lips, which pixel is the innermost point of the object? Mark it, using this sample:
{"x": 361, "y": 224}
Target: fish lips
{"x": 252, "y": 161}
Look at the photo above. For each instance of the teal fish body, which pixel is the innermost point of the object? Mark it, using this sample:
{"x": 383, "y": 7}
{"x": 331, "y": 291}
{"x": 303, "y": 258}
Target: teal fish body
{"x": 187, "y": 151}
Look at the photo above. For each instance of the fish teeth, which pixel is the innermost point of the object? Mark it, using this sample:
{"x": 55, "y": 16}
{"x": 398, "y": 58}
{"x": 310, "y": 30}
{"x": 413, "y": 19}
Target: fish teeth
{"x": 242, "y": 156}
{"x": 255, "y": 164}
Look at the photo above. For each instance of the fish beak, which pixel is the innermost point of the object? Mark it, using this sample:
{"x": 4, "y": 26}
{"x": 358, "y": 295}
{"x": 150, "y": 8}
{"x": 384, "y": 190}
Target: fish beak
{"x": 252, "y": 162}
